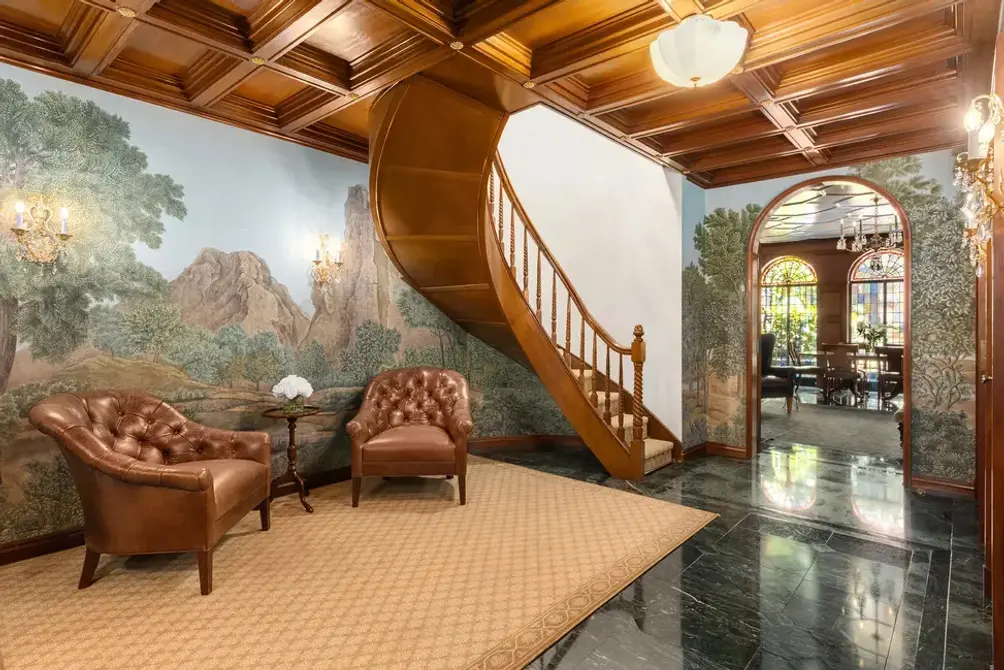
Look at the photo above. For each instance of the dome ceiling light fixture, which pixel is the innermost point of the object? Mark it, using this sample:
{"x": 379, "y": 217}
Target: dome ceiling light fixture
{"x": 698, "y": 51}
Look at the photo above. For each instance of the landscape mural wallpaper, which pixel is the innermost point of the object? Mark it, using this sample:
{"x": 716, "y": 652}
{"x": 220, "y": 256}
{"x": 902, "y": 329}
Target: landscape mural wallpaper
{"x": 943, "y": 309}
{"x": 187, "y": 277}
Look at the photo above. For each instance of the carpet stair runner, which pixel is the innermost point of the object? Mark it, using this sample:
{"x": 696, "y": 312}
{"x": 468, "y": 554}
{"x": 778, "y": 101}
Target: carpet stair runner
{"x": 658, "y": 453}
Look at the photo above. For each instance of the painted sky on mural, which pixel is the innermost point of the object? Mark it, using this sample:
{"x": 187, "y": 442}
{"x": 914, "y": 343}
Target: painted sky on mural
{"x": 242, "y": 190}
{"x": 697, "y": 202}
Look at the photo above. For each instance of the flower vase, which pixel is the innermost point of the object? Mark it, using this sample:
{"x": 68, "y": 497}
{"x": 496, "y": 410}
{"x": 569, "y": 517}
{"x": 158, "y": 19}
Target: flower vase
{"x": 294, "y": 405}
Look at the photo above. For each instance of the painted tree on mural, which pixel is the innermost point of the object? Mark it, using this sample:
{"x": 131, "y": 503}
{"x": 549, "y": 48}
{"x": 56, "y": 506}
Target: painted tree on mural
{"x": 942, "y": 320}
{"x": 722, "y": 239}
{"x": 903, "y": 178}
{"x": 80, "y": 156}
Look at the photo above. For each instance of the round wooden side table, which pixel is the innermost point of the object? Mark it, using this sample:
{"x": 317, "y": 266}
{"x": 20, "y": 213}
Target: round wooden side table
{"x": 291, "y": 476}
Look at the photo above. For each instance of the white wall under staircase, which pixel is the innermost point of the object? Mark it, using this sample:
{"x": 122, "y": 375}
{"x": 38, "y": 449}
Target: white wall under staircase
{"x": 613, "y": 221}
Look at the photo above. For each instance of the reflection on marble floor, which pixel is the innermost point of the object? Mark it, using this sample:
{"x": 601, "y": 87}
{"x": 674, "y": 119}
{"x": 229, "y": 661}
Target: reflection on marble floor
{"x": 818, "y": 560}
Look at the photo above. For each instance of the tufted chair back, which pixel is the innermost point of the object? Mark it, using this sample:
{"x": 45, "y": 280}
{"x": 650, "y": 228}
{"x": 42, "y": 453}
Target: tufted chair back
{"x": 137, "y": 426}
{"x": 414, "y": 397}
{"x": 151, "y": 481}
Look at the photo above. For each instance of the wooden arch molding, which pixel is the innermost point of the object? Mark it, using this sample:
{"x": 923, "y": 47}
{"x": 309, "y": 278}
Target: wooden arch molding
{"x": 753, "y": 312}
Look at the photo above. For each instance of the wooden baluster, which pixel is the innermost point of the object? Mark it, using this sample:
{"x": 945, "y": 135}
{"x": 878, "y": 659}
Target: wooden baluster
{"x": 491, "y": 194}
{"x": 620, "y": 380}
{"x": 512, "y": 239}
{"x": 568, "y": 323}
{"x": 540, "y": 313}
{"x": 592, "y": 396}
{"x": 638, "y": 358}
{"x": 526, "y": 267}
{"x": 582, "y": 347}
{"x": 554, "y": 306}
{"x": 606, "y": 404}
{"x": 501, "y": 219}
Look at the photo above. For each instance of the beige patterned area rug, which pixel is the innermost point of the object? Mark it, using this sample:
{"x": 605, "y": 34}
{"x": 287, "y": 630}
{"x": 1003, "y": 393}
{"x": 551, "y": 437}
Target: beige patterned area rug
{"x": 409, "y": 580}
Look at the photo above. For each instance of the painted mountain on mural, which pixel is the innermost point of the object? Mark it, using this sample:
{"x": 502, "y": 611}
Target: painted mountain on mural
{"x": 212, "y": 339}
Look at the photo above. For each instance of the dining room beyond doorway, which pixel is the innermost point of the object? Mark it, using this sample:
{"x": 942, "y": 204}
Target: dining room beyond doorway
{"x": 832, "y": 286}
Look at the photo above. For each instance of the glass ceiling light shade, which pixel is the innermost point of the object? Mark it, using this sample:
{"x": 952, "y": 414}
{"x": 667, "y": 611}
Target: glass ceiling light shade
{"x": 698, "y": 51}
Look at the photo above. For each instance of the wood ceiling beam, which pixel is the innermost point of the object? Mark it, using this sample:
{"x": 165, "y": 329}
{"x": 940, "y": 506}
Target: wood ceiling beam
{"x": 904, "y": 145}
{"x": 275, "y": 29}
{"x": 491, "y": 19}
{"x": 771, "y": 147}
{"x": 389, "y": 65}
{"x": 704, "y": 138}
{"x": 628, "y": 31}
{"x": 93, "y": 37}
{"x": 794, "y": 38}
{"x": 832, "y": 23}
{"x": 896, "y": 122}
{"x": 424, "y": 17}
{"x": 671, "y": 119}
{"x": 852, "y": 66}
{"x": 925, "y": 85}
{"x": 29, "y": 46}
{"x": 759, "y": 88}
{"x": 336, "y": 141}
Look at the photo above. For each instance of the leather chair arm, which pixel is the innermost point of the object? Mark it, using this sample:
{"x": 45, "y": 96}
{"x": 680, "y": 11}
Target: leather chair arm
{"x": 131, "y": 471}
{"x": 363, "y": 427}
{"x": 460, "y": 424}
{"x": 249, "y": 446}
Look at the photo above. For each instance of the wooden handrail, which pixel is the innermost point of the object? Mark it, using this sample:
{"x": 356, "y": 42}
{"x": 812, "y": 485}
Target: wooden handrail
{"x": 636, "y": 350}
{"x": 507, "y": 188}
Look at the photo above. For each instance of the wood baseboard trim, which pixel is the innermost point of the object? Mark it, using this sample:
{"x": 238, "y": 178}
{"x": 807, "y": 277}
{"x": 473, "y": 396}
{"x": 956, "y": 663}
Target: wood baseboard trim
{"x": 696, "y": 451}
{"x": 40, "y": 545}
{"x": 726, "y": 450}
{"x": 526, "y": 442}
{"x": 945, "y": 487}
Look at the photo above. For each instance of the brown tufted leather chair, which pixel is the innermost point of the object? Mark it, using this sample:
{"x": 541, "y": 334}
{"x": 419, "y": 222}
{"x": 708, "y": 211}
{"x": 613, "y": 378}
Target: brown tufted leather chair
{"x": 413, "y": 421}
{"x": 151, "y": 481}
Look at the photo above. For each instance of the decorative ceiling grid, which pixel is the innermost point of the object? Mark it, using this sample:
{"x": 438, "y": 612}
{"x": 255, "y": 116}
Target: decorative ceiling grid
{"x": 824, "y": 83}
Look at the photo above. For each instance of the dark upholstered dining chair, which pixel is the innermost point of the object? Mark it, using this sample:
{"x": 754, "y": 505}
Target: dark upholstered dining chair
{"x": 413, "y": 422}
{"x": 775, "y": 382}
{"x": 151, "y": 481}
{"x": 890, "y": 377}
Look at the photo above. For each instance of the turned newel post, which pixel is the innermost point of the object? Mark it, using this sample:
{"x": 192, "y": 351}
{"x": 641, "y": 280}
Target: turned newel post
{"x": 638, "y": 358}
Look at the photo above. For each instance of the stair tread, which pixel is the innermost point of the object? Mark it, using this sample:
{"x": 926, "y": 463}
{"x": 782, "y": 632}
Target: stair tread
{"x": 626, "y": 420}
{"x": 654, "y": 447}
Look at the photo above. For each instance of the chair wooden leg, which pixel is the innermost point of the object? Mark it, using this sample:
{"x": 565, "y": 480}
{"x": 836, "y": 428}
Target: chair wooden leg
{"x": 265, "y": 510}
{"x": 90, "y": 565}
{"x": 462, "y": 481}
{"x": 206, "y": 571}
{"x": 357, "y": 485}
{"x": 787, "y": 404}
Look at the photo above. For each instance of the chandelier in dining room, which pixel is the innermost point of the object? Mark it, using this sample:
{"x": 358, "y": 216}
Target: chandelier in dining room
{"x": 864, "y": 243}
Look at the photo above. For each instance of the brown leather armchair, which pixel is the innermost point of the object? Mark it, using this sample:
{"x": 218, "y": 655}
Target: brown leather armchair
{"x": 413, "y": 421}
{"x": 151, "y": 481}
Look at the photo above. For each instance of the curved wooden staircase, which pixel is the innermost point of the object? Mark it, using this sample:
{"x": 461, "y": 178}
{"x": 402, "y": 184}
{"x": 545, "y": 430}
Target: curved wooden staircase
{"x": 450, "y": 221}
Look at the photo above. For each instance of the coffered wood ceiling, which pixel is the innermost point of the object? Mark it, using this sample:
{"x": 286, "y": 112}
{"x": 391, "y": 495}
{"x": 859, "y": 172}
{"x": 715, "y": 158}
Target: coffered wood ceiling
{"x": 825, "y": 83}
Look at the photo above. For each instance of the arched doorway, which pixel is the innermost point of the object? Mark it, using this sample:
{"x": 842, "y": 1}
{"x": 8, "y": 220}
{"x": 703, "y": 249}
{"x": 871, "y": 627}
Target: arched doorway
{"x": 835, "y": 207}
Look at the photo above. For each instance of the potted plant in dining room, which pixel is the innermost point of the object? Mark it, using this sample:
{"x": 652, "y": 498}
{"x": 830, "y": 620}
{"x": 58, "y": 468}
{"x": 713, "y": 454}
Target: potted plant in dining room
{"x": 872, "y": 335}
{"x": 293, "y": 391}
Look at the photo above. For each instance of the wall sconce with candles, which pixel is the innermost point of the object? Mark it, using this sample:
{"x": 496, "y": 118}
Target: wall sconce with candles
{"x": 36, "y": 241}
{"x": 327, "y": 262}
{"x": 974, "y": 175}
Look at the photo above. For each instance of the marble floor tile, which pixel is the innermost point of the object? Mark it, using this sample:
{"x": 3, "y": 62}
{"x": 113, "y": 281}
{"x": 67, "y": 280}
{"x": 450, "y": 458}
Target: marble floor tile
{"x": 819, "y": 560}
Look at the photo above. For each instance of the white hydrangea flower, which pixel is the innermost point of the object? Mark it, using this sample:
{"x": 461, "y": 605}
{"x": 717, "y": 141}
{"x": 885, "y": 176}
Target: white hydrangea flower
{"x": 292, "y": 387}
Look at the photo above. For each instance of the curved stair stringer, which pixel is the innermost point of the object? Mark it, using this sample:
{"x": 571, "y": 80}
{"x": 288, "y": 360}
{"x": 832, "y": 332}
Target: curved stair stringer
{"x": 432, "y": 151}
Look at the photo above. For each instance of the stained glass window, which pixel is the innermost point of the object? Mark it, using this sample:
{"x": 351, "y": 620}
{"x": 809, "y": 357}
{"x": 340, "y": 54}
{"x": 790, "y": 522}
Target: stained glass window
{"x": 877, "y": 294}
{"x": 788, "y": 306}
